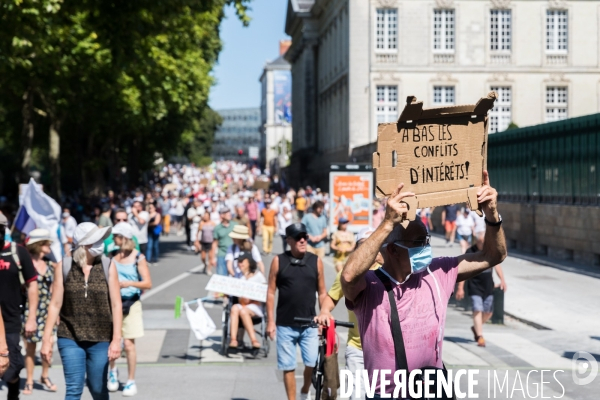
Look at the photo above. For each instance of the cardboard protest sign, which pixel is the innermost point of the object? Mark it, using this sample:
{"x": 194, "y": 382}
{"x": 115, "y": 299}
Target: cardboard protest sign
{"x": 237, "y": 287}
{"x": 438, "y": 153}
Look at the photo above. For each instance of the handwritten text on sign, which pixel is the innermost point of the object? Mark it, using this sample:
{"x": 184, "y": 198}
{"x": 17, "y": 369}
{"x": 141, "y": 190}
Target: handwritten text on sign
{"x": 237, "y": 287}
{"x": 435, "y": 141}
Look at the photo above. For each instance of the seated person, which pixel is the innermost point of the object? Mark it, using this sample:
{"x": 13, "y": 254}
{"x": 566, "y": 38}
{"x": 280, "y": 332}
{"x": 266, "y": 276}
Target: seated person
{"x": 246, "y": 308}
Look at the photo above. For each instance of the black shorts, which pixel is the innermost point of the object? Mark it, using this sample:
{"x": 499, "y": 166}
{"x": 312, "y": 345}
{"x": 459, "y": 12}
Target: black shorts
{"x": 17, "y": 363}
{"x": 206, "y": 246}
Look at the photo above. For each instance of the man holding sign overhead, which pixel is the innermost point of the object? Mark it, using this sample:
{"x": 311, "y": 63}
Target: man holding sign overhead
{"x": 411, "y": 287}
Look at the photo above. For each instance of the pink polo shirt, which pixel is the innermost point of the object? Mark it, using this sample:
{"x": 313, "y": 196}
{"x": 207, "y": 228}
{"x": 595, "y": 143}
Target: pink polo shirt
{"x": 420, "y": 311}
{"x": 252, "y": 210}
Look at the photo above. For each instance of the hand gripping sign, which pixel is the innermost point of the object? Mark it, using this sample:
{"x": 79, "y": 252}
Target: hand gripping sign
{"x": 438, "y": 153}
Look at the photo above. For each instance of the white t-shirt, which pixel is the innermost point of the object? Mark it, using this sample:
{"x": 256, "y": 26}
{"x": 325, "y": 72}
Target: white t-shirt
{"x": 283, "y": 221}
{"x": 464, "y": 225}
{"x": 69, "y": 226}
{"x": 140, "y": 231}
{"x": 233, "y": 252}
{"x": 479, "y": 222}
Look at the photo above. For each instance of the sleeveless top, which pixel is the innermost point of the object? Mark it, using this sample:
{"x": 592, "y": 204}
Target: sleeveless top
{"x": 297, "y": 281}
{"x": 84, "y": 318}
{"x": 128, "y": 272}
{"x": 207, "y": 233}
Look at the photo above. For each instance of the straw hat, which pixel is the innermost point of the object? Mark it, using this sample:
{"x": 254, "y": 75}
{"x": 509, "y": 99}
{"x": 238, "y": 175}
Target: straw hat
{"x": 240, "y": 232}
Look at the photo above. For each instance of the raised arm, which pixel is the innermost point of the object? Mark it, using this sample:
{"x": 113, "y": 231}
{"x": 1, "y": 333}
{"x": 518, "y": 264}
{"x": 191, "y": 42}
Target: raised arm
{"x": 360, "y": 261}
{"x": 494, "y": 246}
{"x": 272, "y": 288}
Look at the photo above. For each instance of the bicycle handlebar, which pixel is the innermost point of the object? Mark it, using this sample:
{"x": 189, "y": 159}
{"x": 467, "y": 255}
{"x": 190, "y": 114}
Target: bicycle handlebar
{"x": 336, "y": 322}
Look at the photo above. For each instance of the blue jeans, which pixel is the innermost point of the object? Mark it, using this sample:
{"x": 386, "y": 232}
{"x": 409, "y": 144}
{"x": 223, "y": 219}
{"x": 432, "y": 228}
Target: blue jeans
{"x": 222, "y": 266}
{"x": 153, "y": 241}
{"x": 80, "y": 359}
{"x": 287, "y": 339}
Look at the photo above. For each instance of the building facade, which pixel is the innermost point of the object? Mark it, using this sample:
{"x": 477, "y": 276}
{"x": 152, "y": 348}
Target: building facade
{"x": 238, "y": 138}
{"x": 276, "y": 112}
{"x": 355, "y": 62}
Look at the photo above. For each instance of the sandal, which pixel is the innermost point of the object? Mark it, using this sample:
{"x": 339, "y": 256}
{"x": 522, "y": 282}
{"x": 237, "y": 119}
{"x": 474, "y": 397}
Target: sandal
{"x": 233, "y": 344}
{"x": 28, "y": 389}
{"x": 256, "y": 344}
{"x": 48, "y": 385}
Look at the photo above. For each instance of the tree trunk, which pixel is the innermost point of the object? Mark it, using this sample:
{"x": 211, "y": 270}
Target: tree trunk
{"x": 27, "y": 134}
{"x": 54, "y": 156}
{"x": 133, "y": 169}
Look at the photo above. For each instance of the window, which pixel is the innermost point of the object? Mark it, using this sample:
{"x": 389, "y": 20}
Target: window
{"x": 443, "y": 31}
{"x": 500, "y": 115}
{"x": 557, "y": 31}
{"x": 443, "y": 95}
{"x": 500, "y": 27}
{"x": 387, "y": 29}
{"x": 556, "y": 103}
{"x": 387, "y": 104}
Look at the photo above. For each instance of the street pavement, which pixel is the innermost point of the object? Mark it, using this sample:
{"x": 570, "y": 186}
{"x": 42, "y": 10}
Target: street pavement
{"x": 553, "y": 313}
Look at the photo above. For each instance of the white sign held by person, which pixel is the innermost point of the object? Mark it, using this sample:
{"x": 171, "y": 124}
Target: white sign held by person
{"x": 237, "y": 287}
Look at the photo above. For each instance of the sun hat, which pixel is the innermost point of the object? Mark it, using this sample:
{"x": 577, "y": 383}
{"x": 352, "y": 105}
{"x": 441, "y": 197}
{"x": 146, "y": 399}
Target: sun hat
{"x": 38, "y": 235}
{"x": 88, "y": 233}
{"x": 239, "y": 232}
{"x": 124, "y": 229}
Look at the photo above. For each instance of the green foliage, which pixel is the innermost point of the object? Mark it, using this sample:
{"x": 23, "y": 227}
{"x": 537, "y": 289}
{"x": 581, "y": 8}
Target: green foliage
{"x": 512, "y": 125}
{"x": 119, "y": 81}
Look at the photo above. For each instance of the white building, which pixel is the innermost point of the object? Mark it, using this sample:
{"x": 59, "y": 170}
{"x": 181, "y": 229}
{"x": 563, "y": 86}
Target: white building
{"x": 276, "y": 113}
{"x": 355, "y": 62}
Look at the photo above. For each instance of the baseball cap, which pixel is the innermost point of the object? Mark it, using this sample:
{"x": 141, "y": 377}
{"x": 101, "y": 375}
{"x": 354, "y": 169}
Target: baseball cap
{"x": 124, "y": 229}
{"x": 343, "y": 220}
{"x": 295, "y": 230}
{"x": 224, "y": 210}
{"x": 364, "y": 233}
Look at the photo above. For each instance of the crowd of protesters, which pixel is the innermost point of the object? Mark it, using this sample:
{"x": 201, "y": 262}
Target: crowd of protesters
{"x": 111, "y": 243}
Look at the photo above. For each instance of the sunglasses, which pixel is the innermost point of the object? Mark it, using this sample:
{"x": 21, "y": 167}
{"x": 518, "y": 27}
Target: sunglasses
{"x": 300, "y": 237}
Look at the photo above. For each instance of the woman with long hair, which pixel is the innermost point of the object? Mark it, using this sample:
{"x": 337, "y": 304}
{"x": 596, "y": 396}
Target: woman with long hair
{"x": 86, "y": 295}
{"x": 38, "y": 245}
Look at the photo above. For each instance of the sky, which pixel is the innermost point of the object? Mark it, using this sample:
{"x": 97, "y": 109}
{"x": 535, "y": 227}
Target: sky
{"x": 245, "y": 51}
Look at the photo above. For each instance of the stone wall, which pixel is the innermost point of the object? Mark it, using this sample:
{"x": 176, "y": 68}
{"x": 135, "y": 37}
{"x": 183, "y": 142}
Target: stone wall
{"x": 559, "y": 231}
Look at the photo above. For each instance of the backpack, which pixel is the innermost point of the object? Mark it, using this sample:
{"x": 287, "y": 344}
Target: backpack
{"x": 68, "y": 262}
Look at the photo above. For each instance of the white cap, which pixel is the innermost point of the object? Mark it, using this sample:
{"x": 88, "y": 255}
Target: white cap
{"x": 364, "y": 233}
{"x": 124, "y": 229}
{"x": 89, "y": 233}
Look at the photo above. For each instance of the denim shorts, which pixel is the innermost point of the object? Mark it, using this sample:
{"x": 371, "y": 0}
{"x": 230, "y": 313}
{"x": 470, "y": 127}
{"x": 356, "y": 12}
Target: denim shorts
{"x": 287, "y": 339}
{"x": 479, "y": 304}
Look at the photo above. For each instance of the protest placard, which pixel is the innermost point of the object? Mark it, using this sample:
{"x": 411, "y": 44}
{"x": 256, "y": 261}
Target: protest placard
{"x": 237, "y": 287}
{"x": 438, "y": 153}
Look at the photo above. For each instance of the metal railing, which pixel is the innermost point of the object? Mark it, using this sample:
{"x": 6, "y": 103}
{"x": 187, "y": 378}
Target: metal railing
{"x": 556, "y": 162}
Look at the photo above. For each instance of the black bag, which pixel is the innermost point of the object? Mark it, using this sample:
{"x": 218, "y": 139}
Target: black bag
{"x": 400, "y": 351}
{"x": 128, "y": 303}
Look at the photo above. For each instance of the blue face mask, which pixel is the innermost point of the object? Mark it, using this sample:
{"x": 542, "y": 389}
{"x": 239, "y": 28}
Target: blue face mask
{"x": 420, "y": 257}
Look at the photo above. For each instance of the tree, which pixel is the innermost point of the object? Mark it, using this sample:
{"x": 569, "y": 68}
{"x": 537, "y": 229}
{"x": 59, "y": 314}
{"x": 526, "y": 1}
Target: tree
{"x": 114, "y": 82}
